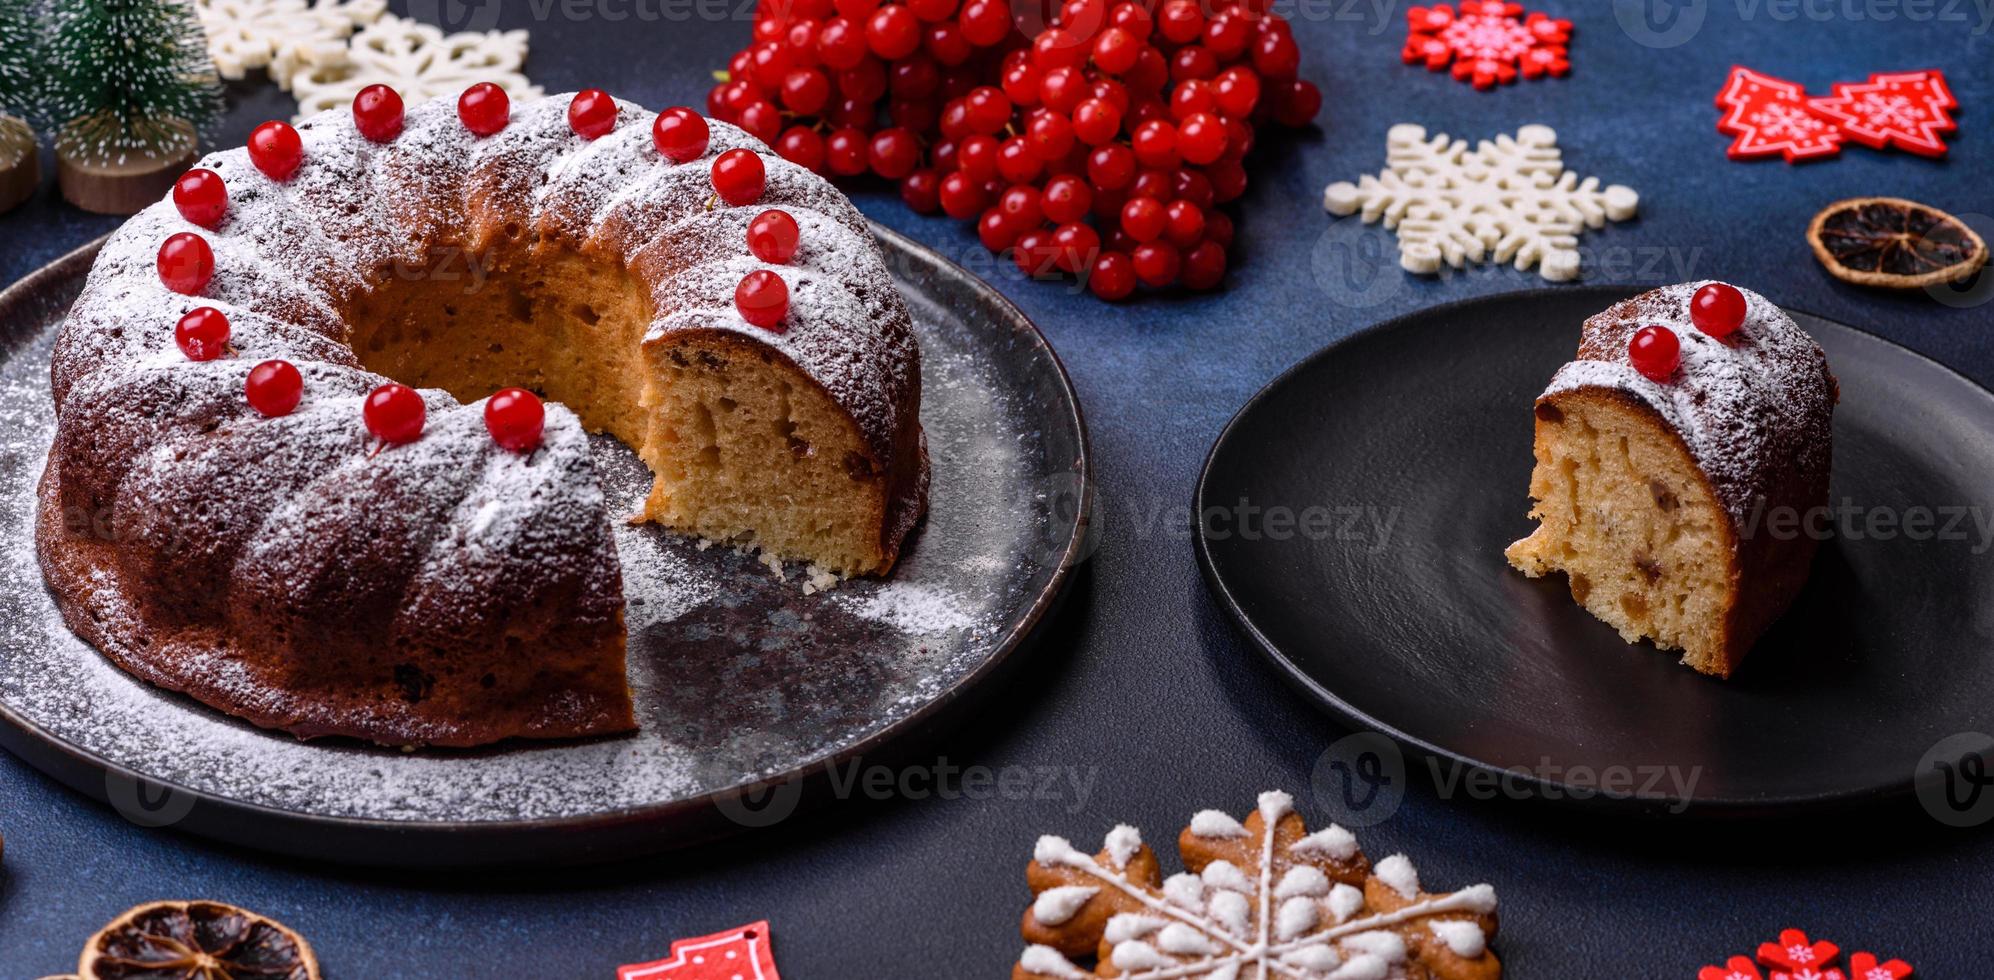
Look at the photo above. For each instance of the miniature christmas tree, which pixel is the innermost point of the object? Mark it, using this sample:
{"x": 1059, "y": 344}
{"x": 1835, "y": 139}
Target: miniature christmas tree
{"x": 129, "y": 84}
{"x": 20, "y": 50}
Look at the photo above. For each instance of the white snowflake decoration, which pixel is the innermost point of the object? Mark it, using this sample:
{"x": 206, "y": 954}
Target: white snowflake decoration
{"x": 280, "y": 35}
{"x": 1283, "y": 914}
{"x": 417, "y": 60}
{"x": 1511, "y": 199}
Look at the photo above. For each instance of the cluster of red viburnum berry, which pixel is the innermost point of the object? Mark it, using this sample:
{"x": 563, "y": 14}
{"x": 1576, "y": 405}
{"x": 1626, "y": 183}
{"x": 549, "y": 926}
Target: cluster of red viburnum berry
{"x": 1098, "y": 145}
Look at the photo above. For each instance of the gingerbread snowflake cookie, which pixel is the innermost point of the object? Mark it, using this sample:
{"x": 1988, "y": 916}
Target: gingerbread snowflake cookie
{"x": 1258, "y": 900}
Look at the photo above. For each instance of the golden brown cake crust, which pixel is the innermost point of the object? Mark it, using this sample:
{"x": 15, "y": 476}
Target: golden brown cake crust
{"x": 445, "y": 591}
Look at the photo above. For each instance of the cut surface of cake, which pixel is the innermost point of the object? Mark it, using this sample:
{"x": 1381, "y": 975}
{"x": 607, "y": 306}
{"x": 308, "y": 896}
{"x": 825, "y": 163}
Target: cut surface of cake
{"x": 1674, "y": 495}
{"x": 297, "y": 571}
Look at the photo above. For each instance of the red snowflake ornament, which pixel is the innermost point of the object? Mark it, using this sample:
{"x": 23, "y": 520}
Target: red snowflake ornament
{"x": 1487, "y": 42}
{"x": 1907, "y": 110}
{"x": 1768, "y": 116}
{"x": 1863, "y": 966}
{"x": 1738, "y": 968}
{"x": 737, "y": 954}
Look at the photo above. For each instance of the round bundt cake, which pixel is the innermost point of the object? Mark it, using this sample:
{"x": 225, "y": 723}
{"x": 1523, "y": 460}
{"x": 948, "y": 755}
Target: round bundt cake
{"x": 1682, "y": 468}
{"x": 667, "y": 280}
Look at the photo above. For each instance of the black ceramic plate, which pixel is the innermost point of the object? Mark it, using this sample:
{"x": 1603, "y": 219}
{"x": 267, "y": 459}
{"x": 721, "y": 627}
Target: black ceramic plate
{"x": 749, "y": 692}
{"x": 1397, "y": 613}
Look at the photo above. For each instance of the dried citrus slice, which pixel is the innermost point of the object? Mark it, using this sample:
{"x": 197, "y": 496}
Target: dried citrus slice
{"x": 196, "y": 941}
{"x": 1895, "y": 243}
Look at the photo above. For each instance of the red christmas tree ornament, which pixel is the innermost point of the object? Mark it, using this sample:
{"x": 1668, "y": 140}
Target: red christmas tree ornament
{"x": 1738, "y": 968}
{"x": 202, "y": 335}
{"x": 1908, "y": 110}
{"x": 762, "y": 299}
{"x": 592, "y": 114}
{"x": 394, "y": 413}
{"x": 186, "y": 263}
{"x": 276, "y": 149}
{"x": 1487, "y": 42}
{"x": 736, "y": 954}
{"x": 201, "y": 197}
{"x": 1795, "y": 953}
{"x": 485, "y": 109}
{"x": 1863, "y": 966}
{"x": 1768, "y": 116}
{"x": 516, "y": 419}
{"x": 681, "y": 134}
{"x": 273, "y": 388}
{"x": 377, "y": 113}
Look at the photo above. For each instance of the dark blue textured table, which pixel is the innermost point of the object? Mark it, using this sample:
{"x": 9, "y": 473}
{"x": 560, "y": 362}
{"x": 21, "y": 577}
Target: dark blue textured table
{"x": 1143, "y": 701}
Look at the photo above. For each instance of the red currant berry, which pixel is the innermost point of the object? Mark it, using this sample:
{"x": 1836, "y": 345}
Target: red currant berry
{"x": 1237, "y": 91}
{"x": 1113, "y": 276}
{"x": 893, "y": 32}
{"x": 716, "y": 101}
{"x": 1133, "y": 18}
{"x": 1034, "y": 253}
{"x": 1181, "y": 21}
{"x": 995, "y": 231}
{"x": 914, "y": 78}
{"x": 976, "y": 157}
{"x": 201, "y": 197}
{"x": 1076, "y": 246}
{"x": 987, "y": 109}
{"x": 1111, "y": 167}
{"x": 841, "y": 44}
{"x": 394, "y": 413}
{"x": 1022, "y": 84}
{"x": 1298, "y": 103}
{"x": 894, "y": 153}
{"x": 1144, "y": 218}
{"x": 1150, "y": 74}
{"x": 769, "y": 61}
{"x": 846, "y": 150}
{"x": 1159, "y": 185}
{"x": 680, "y": 134}
{"x": 961, "y": 196}
{"x": 1193, "y": 186}
{"x": 1022, "y": 206}
{"x": 377, "y": 113}
{"x": 485, "y": 109}
{"x": 986, "y": 23}
{"x": 276, "y": 149}
{"x": 1218, "y": 228}
{"x": 273, "y": 388}
{"x": 1061, "y": 89}
{"x": 1226, "y": 35}
{"x": 802, "y": 146}
{"x": 1155, "y": 144}
{"x": 1058, "y": 48}
{"x": 739, "y": 177}
{"x": 1156, "y": 264}
{"x": 762, "y": 299}
{"x": 922, "y": 191}
{"x": 186, "y": 263}
{"x": 1656, "y": 352}
{"x": 932, "y": 11}
{"x": 1193, "y": 61}
{"x": 1204, "y": 266}
{"x": 1718, "y": 310}
{"x": 1184, "y": 225}
{"x": 1050, "y": 135}
{"x": 1115, "y": 51}
{"x": 592, "y": 114}
{"x": 947, "y": 45}
{"x": 515, "y": 418}
{"x": 805, "y": 91}
{"x": 1096, "y": 121}
{"x": 855, "y": 11}
{"x": 1016, "y": 162}
{"x": 1066, "y": 199}
{"x": 761, "y": 119}
{"x": 1275, "y": 56}
{"x": 773, "y": 236}
{"x": 203, "y": 334}
{"x": 1201, "y": 138}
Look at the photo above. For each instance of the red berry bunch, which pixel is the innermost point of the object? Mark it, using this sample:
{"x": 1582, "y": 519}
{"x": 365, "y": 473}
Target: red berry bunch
{"x": 1100, "y": 145}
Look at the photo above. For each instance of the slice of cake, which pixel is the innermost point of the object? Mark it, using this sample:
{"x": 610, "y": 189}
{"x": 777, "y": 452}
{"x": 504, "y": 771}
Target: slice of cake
{"x": 1682, "y": 469}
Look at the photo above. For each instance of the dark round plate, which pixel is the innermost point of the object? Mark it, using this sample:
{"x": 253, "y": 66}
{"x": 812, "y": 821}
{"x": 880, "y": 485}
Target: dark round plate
{"x": 750, "y": 694}
{"x": 1396, "y": 612}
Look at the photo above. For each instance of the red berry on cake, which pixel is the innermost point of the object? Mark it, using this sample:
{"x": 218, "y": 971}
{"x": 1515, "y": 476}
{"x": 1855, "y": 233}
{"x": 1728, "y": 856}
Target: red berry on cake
{"x": 739, "y": 177}
{"x": 1655, "y": 352}
{"x": 1718, "y": 310}
{"x": 592, "y": 114}
{"x": 773, "y": 236}
{"x": 203, "y": 334}
{"x": 275, "y": 149}
{"x": 186, "y": 263}
{"x": 762, "y": 299}
{"x": 394, "y": 413}
{"x": 377, "y": 113}
{"x": 201, "y": 197}
{"x": 681, "y": 134}
{"x": 485, "y": 109}
{"x": 515, "y": 419}
{"x": 273, "y": 388}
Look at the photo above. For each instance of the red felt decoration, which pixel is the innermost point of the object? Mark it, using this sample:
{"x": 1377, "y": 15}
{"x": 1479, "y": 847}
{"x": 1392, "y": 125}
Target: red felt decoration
{"x": 1863, "y": 966}
{"x": 1487, "y": 42}
{"x": 1907, "y": 110}
{"x": 736, "y": 954}
{"x": 1738, "y": 968}
{"x": 1796, "y": 952}
{"x": 1770, "y": 116}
